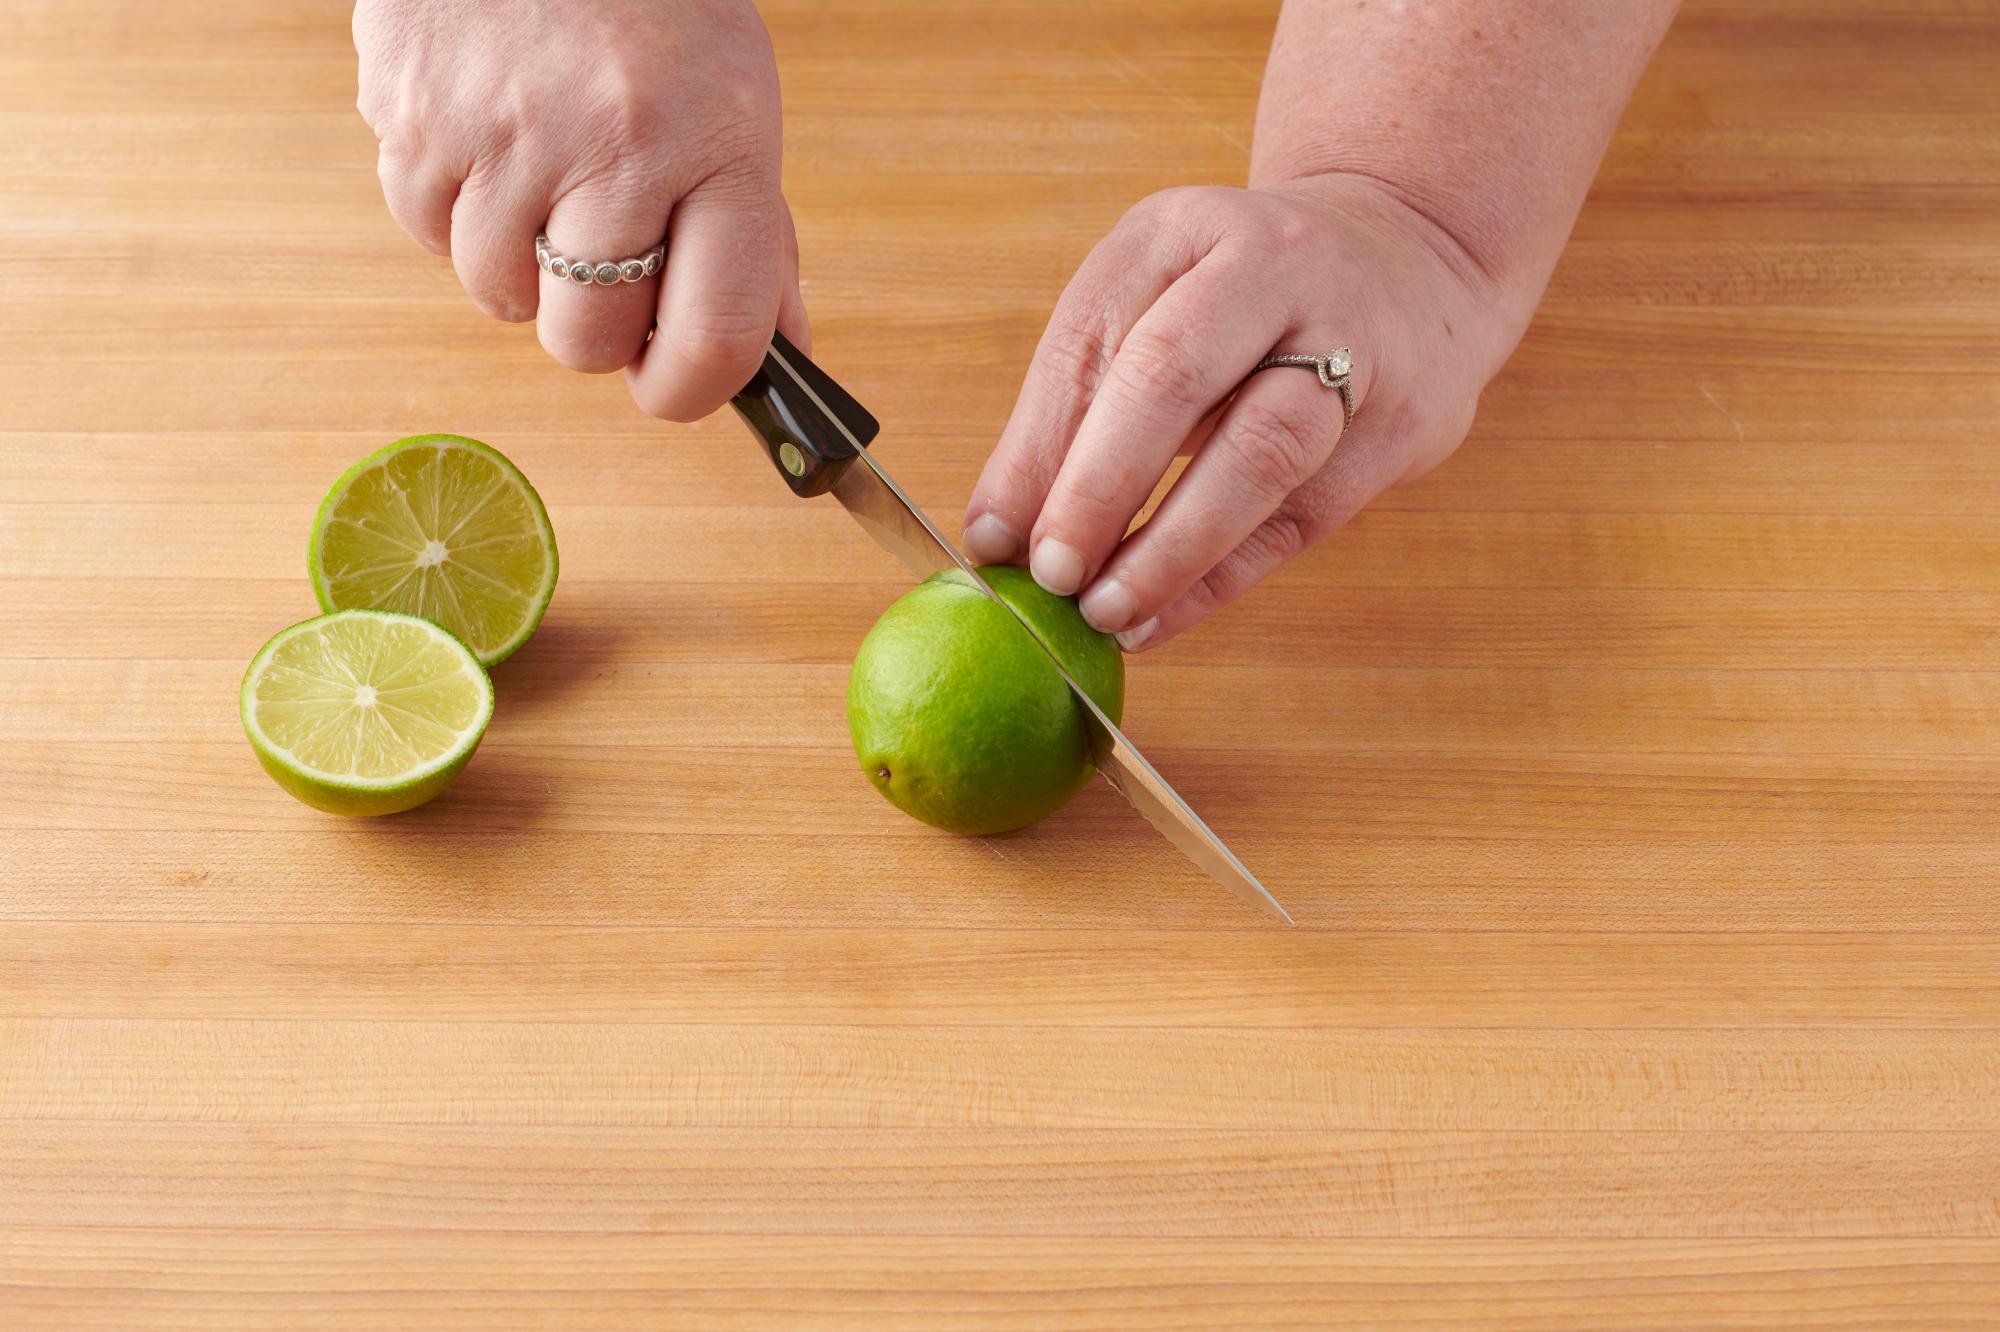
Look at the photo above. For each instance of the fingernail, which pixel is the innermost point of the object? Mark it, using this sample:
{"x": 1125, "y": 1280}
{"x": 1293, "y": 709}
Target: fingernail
{"x": 990, "y": 541}
{"x": 1134, "y": 639}
{"x": 1057, "y": 566}
{"x": 1109, "y": 606}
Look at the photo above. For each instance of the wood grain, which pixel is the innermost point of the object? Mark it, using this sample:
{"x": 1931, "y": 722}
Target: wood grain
{"x": 1635, "y": 777}
{"x": 348, "y": 1280}
{"x": 684, "y": 1074}
{"x": 959, "y": 976}
{"x": 1070, "y": 1181}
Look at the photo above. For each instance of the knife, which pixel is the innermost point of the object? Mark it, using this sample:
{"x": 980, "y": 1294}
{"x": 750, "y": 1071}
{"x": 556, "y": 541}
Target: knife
{"x": 818, "y": 437}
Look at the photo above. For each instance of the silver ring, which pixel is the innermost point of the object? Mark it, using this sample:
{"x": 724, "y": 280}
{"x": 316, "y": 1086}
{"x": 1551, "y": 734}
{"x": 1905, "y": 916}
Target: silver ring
{"x": 607, "y": 274}
{"x": 1334, "y": 368}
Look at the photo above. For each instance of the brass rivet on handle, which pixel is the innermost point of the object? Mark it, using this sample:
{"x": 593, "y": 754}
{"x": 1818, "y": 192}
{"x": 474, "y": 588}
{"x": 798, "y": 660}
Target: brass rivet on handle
{"x": 791, "y": 459}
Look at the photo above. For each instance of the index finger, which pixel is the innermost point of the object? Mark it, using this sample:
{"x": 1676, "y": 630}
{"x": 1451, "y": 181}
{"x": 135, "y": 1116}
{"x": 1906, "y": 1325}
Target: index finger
{"x": 1122, "y": 276}
{"x": 1182, "y": 358}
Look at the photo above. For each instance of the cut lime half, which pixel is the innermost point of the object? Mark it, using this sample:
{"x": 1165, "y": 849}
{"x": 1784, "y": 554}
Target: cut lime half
{"x": 443, "y": 527}
{"x": 365, "y": 712}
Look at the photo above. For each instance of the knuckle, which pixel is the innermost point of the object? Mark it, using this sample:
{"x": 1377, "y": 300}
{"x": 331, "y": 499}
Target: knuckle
{"x": 585, "y": 356}
{"x": 1179, "y": 201}
{"x": 642, "y": 129}
{"x": 1073, "y": 355}
{"x": 1025, "y": 474}
{"x": 1153, "y": 209}
{"x": 1156, "y": 369}
{"x": 624, "y": 104}
{"x": 500, "y": 296}
{"x": 735, "y": 160}
{"x": 1174, "y": 227}
{"x": 659, "y": 397}
{"x": 1279, "y": 226}
{"x": 403, "y": 116}
{"x": 652, "y": 402}
{"x": 1292, "y": 232}
{"x": 749, "y": 185}
{"x": 1270, "y": 452}
{"x": 722, "y": 337}
{"x": 746, "y": 108}
{"x": 374, "y": 92}
{"x": 415, "y": 209}
{"x": 1085, "y": 514}
{"x": 1278, "y": 538}
{"x": 401, "y": 148}
{"x": 629, "y": 115}
{"x": 588, "y": 338}
{"x": 1209, "y": 591}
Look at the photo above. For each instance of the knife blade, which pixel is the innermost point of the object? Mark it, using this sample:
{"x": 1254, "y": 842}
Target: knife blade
{"x": 816, "y": 434}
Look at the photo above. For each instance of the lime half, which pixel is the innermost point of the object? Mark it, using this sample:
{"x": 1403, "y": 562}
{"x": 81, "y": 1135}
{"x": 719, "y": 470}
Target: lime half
{"x": 443, "y": 527}
{"x": 365, "y": 712}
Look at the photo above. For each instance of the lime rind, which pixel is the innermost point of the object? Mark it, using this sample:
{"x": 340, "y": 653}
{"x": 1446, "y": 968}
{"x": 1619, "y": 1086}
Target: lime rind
{"x": 350, "y": 793}
{"x": 958, "y": 713}
{"x": 1090, "y": 655}
{"x": 539, "y": 598}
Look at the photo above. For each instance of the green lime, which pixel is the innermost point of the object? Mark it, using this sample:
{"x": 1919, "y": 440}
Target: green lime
{"x": 365, "y": 712}
{"x": 958, "y": 716}
{"x": 443, "y": 527}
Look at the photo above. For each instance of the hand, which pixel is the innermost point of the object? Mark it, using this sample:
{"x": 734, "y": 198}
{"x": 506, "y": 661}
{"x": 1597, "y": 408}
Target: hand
{"x": 609, "y": 124}
{"x": 1144, "y": 357}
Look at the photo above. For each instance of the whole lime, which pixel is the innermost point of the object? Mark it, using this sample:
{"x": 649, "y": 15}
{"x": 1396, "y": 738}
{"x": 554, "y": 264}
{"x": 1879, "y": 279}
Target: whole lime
{"x": 958, "y": 716}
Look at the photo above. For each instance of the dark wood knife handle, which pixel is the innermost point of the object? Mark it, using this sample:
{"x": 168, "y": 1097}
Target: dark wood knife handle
{"x": 809, "y": 425}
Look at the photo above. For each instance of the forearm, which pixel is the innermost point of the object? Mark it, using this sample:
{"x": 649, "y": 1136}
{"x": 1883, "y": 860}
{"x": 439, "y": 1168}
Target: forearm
{"x": 1486, "y": 118}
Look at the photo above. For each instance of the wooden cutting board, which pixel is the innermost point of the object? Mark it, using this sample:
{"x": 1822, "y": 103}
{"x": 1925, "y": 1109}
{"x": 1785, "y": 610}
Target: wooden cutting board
{"x": 1633, "y": 778}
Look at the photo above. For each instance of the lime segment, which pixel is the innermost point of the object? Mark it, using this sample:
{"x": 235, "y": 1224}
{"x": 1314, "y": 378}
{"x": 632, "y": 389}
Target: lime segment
{"x": 443, "y": 527}
{"x": 365, "y": 712}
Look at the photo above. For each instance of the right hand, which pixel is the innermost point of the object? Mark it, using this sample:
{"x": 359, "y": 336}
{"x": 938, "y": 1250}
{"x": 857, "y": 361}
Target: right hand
{"x": 608, "y": 124}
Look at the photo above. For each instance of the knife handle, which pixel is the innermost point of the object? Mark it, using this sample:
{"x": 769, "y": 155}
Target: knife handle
{"x": 809, "y": 424}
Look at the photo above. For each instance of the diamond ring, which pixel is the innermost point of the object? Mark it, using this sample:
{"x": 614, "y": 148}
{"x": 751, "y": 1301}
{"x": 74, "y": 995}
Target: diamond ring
{"x": 607, "y": 274}
{"x": 1334, "y": 367}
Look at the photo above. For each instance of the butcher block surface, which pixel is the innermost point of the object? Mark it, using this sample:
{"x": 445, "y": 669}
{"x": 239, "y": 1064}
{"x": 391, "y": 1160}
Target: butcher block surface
{"x": 1634, "y": 778}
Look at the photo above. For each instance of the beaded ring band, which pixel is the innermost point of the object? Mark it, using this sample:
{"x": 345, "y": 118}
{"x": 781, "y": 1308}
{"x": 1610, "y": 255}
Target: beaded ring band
{"x": 1335, "y": 369}
{"x": 607, "y": 274}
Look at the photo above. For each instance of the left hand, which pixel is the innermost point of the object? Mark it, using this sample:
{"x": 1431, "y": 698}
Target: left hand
{"x": 606, "y": 124}
{"x": 1147, "y": 356}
